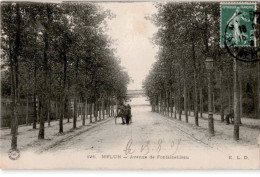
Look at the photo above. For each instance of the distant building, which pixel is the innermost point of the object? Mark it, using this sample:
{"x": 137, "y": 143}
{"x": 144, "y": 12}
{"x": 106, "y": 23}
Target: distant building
{"x": 135, "y": 93}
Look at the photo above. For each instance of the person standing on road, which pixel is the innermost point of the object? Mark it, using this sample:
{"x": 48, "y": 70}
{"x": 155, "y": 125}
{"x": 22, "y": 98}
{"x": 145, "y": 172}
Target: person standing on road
{"x": 123, "y": 112}
{"x": 128, "y": 113}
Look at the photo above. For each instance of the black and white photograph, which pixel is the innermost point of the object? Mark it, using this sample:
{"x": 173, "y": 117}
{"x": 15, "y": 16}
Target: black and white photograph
{"x": 130, "y": 85}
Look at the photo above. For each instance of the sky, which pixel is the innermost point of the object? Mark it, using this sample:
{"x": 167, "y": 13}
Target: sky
{"x": 133, "y": 34}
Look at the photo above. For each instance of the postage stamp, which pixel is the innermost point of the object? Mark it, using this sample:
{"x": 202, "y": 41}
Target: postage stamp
{"x": 237, "y": 24}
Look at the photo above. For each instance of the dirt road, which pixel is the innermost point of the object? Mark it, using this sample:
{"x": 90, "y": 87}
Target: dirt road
{"x": 149, "y": 133}
{"x": 152, "y": 141}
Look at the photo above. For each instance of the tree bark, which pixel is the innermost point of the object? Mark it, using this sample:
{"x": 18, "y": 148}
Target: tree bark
{"x": 230, "y": 104}
{"x": 103, "y": 108}
{"x": 185, "y": 92}
{"x": 14, "y": 120}
{"x": 214, "y": 107}
{"x": 75, "y": 112}
{"x": 27, "y": 109}
{"x": 210, "y": 105}
{"x": 171, "y": 106}
{"x": 49, "y": 112}
{"x": 240, "y": 94}
{"x": 84, "y": 113}
{"x": 34, "y": 96}
{"x": 99, "y": 108}
{"x": 56, "y": 109}
{"x": 240, "y": 101}
{"x": 201, "y": 103}
{"x": 195, "y": 84}
{"x": 15, "y": 79}
{"x": 221, "y": 94}
{"x": 258, "y": 89}
{"x": 189, "y": 105}
{"x": 64, "y": 102}
{"x": 75, "y": 116}
{"x": 236, "y": 102}
{"x": 95, "y": 109}
{"x": 179, "y": 95}
{"x": 113, "y": 106}
{"x": 44, "y": 98}
{"x": 42, "y": 116}
{"x": 90, "y": 112}
{"x": 175, "y": 105}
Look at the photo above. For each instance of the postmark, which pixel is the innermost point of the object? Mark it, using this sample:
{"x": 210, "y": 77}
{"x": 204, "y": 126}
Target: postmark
{"x": 14, "y": 154}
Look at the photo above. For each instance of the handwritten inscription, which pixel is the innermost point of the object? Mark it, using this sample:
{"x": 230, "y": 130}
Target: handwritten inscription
{"x": 146, "y": 147}
{"x": 128, "y": 149}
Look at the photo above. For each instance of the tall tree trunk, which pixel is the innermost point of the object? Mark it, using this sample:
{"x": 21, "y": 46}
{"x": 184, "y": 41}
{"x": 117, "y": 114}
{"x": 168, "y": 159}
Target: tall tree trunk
{"x": 38, "y": 112}
{"x": 240, "y": 101}
{"x": 106, "y": 105}
{"x": 15, "y": 79}
{"x": 113, "y": 109}
{"x": 157, "y": 103}
{"x": 49, "y": 112}
{"x": 236, "y": 102}
{"x": 167, "y": 102}
{"x": 14, "y": 120}
{"x": 109, "y": 106}
{"x": 221, "y": 94}
{"x": 103, "y": 108}
{"x": 60, "y": 107}
{"x": 179, "y": 95}
{"x": 213, "y": 97}
{"x": 56, "y": 109}
{"x": 34, "y": 95}
{"x": 64, "y": 102}
{"x": 240, "y": 93}
{"x": 42, "y": 116}
{"x": 35, "y": 85}
{"x": 66, "y": 106}
{"x": 90, "y": 112}
{"x": 75, "y": 112}
{"x": 116, "y": 105}
{"x": 171, "y": 106}
{"x": 230, "y": 104}
{"x": 175, "y": 105}
{"x": 99, "y": 109}
{"x": 195, "y": 84}
{"x": 201, "y": 103}
{"x": 185, "y": 92}
{"x": 210, "y": 105}
{"x": 258, "y": 89}
{"x": 95, "y": 109}
{"x": 27, "y": 108}
{"x": 68, "y": 112}
{"x": 189, "y": 100}
{"x": 49, "y": 100}
{"x": 163, "y": 102}
{"x": 45, "y": 96}
{"x": 76, "y": 93}
{"x": 84, "y": 112}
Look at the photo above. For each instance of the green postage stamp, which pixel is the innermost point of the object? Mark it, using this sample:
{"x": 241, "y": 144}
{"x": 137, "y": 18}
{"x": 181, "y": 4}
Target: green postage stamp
{"x": 237, "y": 24}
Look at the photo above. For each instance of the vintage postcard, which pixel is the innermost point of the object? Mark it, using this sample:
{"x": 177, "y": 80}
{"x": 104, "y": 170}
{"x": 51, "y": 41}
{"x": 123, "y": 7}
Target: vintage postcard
{"x": 130, "y": 85}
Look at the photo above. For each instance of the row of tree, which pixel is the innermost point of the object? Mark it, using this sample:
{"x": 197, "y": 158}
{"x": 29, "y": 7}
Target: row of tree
{"x": 59, "y": 52}
{"x": 189, "y": 33}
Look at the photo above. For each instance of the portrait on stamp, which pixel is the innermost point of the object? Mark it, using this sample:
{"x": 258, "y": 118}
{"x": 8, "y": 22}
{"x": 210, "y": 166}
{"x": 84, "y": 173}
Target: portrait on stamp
{"x": 237, "y": 24}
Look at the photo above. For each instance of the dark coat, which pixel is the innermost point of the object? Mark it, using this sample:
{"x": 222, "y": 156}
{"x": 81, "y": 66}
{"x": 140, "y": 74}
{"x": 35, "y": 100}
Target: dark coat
{"x": 128, "y": 112}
